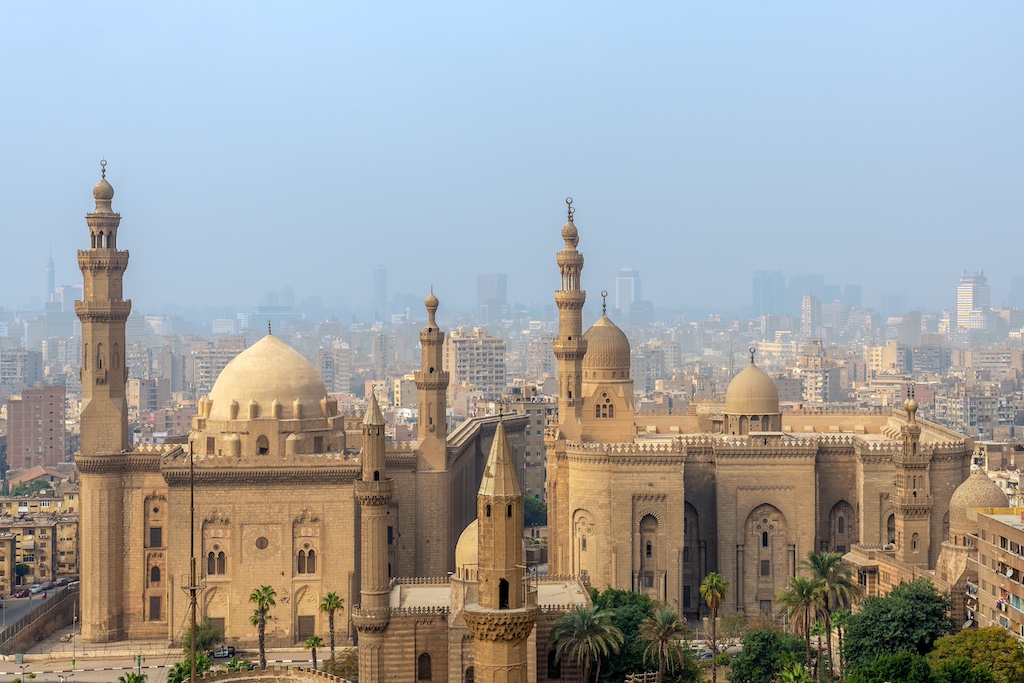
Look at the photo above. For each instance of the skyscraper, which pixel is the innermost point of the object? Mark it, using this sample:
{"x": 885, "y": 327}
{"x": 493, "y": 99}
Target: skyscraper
{"x": 627, "y": 289}
{"x": 491, "y": 295}
{"x": 769, "y": 293}
{"x": 380, "y": 293}
{"x": 973, "y": 301}
{"x": 50, "y": 280}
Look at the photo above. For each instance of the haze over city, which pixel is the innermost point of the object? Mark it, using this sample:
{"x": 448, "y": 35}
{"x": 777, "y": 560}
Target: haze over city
{"x": 254, "y": 147}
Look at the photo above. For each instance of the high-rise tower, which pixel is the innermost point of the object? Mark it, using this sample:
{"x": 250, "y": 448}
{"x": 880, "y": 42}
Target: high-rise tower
{"x": 913, "y": 501}
{"x": 104, "y": 421}
{"x": 51, "y": 279}
{"x": 506, "y": 608}
{"x": 569, "y": 346}
{"x": 373, "y": 491}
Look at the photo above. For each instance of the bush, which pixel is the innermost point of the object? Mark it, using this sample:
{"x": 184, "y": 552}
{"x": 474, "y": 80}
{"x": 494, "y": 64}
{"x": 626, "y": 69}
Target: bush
{"x": 346, "y": 665}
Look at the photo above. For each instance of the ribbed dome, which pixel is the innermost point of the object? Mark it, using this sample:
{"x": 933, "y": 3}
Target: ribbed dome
{"x": 977, "y": 491}
{"x": 752, "y": 392}
{"x": 467, "y": 549}
{"x": 607, "y": 347}
{"x": 266, "y": 372}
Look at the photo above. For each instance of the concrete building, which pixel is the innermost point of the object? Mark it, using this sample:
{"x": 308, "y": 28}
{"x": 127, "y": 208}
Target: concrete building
{"x": 476, "y": 361}
{"x": 997, "y": 594}
{"x": 973, "y": 302}
{"x": 36, "y": 428}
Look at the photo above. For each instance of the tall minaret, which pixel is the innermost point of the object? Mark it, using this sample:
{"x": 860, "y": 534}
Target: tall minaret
{"x": 373, "y": 491}
{"x": 432, "y": 388}
{"x": 913, "y": 501}
{"x": 104, "y": 421}
{"x": 569, "y": 346}
{"x": 506, "y": 608}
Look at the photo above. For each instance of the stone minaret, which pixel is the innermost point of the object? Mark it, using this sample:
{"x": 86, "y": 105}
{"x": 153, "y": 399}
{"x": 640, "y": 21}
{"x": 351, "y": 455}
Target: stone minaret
{"x": 506, "y": 609}
{"x": 569, "y": 346}
{"x": 913, "y": 501}
{"x": 104, "y": 422}
{"x": 373, "y": 491}
{"x": 432, "y": 388}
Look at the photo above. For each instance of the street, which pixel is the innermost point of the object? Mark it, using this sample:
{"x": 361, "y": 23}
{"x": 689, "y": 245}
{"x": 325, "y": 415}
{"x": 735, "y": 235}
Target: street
{"x": 16, "y": 608}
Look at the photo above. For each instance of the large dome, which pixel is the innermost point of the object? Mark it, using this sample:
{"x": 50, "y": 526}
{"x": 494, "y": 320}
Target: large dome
{"x": 977, "y": 491}
{"x": 268, "y": 371}
{"x": 607, "y": 347}
{"x": 467, "y": 550}
{"x": 752, "y": 392}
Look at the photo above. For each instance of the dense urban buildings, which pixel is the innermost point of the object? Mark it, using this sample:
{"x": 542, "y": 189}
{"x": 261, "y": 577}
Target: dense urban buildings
{"x": 35, "y": 428}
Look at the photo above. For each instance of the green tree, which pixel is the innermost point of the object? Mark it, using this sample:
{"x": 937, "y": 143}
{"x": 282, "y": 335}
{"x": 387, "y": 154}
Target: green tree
{"x": 312, "y": 643}
{"x": 838, "y": 588}
{"x": 962, "y": 671}
{"x": 331, "y": 603}
{"x": 347, "y": 666}
{"x": 535, "y": 511}
{"x": 207, "y": 635}
{"x": 912, "y": 617}
{"x": 629, "y": 610}
{"x": 182, "y": 671}
{"x": 234, "y": 664}
{"x": 132, "y": 677}
{"x": 583, "y": 636}
{"x": 840, "y": 618}
{"x": 795, "y": 673}
{"x": 664, "y": 632}
{"x": 714, "y": 589}
{"x": 263, "y": 598}
{"x": 764, "y": 655}
{"x": 993, "y": 648}
{"x": 803, "y": 601}
{"x": 901, "y": 667}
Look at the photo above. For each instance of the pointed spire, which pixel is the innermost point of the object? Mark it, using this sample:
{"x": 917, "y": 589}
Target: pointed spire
{"x": 499, "y": 475}
{"x": 373, "y": 418}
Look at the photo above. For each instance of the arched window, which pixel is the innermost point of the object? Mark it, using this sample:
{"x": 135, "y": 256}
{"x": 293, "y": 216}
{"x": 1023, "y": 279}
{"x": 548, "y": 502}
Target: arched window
{"x": 890, "y": 529}
{"x": 311, "y": 562}
{"x": 99, "y": 356}
{"x": 508, "y": 512}
{"x": 154, "y": 575}
{"x": 262, "y": 445}
{"x": 649, "y": 550}
{"x": 842, "y": 525}
{"x": 502, "y": 594}
{"x": 611, "y": 411}
{"x": 913, "y": 543}
{"x": 764, "y": 539}
{"x": 300, "y": 566}
{"x": 376, "y": 475}
{"x": 211, "y": 563}
{"x": 222, "y": 562}
{"x": 469, "y": 675}
{"x": 597, "y": 411}
{"x": 423, "y": 667}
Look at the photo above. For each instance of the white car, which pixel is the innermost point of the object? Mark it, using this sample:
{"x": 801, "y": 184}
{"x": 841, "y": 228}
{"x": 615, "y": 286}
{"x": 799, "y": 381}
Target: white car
{"x": 36, "y": 587}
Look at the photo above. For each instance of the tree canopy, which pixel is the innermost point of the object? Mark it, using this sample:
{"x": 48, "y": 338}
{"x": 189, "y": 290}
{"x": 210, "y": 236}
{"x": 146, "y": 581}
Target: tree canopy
{"x": 629, "y": 610}
{"x": 994, "y": 649}
{"x": 207, "y": 635}
{"x": 911, "y": 618}
{"x": 535, "y": 512}
{"x": 765, "y": 654}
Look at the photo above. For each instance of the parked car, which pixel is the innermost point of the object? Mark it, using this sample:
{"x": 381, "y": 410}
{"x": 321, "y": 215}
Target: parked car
{"x": 36, "y": 587}
{"x": 23, "y": 593}
{"x": 222, "y": 652}
{"x": 49, "y": 585}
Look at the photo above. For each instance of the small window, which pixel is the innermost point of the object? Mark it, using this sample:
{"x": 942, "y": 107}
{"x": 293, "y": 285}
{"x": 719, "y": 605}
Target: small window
{"x": 508, "y": 512}
{"x": 262, "y": 445}
{"x": 649, "y": 550}
{"x": 766, "y": 567}
{"x": 154, "y": 608}
{"x": 300, "y": 564}
{"x": 842, "y": 525}
{"x": 487, "y": 511}
{"x": 311, "y": 562}
{"x": 156, "y": 537}
{"x": 211, "y": 445}
{"x": 318, "y": 444}
{"x": 391, "y": 535}
{"x": 154, "y": 575}
{"x": 423, "y": 667}
{"x": 221, "y": 563}
{"x": 583, "y": 543}
{"x": 764, "y": 539}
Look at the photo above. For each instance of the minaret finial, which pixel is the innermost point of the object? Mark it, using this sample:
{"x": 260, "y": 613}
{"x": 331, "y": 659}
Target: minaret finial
{"x": 752, "y": 352}
{"x": 269, "y": 330}
{"x": 103, "y": 169}
{"x": 569, "y": 210}
{"x": 604, "y": 301}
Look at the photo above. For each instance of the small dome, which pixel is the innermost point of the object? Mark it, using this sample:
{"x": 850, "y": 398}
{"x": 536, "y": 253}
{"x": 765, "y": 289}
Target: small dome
{"x": 570, "y": 234}
{"x": 752, "y": 392}
{"x": 607, "y": 347}
{"x": 431, "y": 301}
{"x": 977, "y": 491}
{"x": 267, "y": 372}
{"x": 467, "y": 549}
{"x": 103, "y": 192}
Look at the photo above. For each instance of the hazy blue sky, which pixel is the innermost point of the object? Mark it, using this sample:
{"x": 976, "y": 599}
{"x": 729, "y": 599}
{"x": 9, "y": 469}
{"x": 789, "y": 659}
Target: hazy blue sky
{"x": 257, "y": 144}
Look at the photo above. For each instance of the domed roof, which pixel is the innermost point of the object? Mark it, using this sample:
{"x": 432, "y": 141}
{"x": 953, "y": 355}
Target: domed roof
{"x": 266, "y": 372}
{"x": 752, "y": 392}
{"x": 607, "y": 347}
{"x": 977, "y": 491}
{"x": 103, "y": 191}
{"x": 467, "y": 549}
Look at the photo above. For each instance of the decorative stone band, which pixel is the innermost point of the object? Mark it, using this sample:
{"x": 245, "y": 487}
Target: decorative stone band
{"x": 373, "y": 622}
{"x": 101, "y": 464}
{"x": 372, "y": 493}
{"x": 103, "y": 260}
{"x": 180, "y": 476}
{"x": 107, "y": 311}
{"x": 499, "y": 624}
{"x": 431, "y": 381}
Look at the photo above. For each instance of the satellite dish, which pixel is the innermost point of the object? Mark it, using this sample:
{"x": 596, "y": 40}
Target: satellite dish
{"x": 1009, "y": 572}
{"x": 967, "y": 624}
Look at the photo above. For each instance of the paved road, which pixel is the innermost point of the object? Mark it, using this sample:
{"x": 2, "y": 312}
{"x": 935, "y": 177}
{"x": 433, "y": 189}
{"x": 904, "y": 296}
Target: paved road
{"x": 16, "y": 608}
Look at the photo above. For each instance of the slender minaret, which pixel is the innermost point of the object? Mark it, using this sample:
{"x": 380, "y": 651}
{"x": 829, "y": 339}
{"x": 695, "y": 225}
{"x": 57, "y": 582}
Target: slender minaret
{"x": 432, "y": 388}
{"x": 104, "y": 421}
{"x": 569, "y": 346}
{"x": 506, "y": 609}
{"x": 913, "y": 501}
{"x": 373, "y": 491}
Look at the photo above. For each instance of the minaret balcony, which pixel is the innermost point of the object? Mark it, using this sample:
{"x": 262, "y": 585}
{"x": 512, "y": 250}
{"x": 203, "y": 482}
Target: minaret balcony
{"x": 371, "y": 621}
{"x": 500, "y": 624}
{"x": 570, "y": 298}
{"x": 107, "y": 310}
{"x": 921, "y": 501}
{"x": 374, "y": 492}
{"x": 102, "y": 259}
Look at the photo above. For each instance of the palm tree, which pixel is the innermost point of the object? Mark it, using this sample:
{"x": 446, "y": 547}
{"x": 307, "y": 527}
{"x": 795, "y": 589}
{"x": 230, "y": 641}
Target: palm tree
{"x": 795, "y": 674}
{"x": 132, "y": 677}
{"x": 182, "y": 671}
{"x": 330, "y": 603}
{"x": 263, "y": 598}
{"x": 840, "y": 618}
{"x": 664, "y": 630}
{"x": 839, "y": 590}
{"x": 312, "y": 643}
{"x": 584, "y": 635}
{"x": 803, "y": 600}
{"x": 713, "y": 589}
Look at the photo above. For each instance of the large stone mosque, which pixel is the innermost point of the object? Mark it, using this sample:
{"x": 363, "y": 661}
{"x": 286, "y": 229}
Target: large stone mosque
{"x": 290, "y": 493}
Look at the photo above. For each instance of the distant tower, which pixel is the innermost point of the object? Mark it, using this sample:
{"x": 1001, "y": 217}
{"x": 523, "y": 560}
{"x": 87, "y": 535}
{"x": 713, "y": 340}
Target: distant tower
{"x": 569, "y": 346}
{"x": 973, "y": 301}
{"x": 104, "y": 422}
{"x": 51, "y": 280}
{"x": 913, "y": 501}
{"x": 627, "y": 290}
{"x": 373, "y": 492}
{"x": 506, "y": 608}
{"x": 380, "y": 293}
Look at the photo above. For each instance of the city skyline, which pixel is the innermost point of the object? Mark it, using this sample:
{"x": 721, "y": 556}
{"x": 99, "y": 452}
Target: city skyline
{"x": 701, "y": 144}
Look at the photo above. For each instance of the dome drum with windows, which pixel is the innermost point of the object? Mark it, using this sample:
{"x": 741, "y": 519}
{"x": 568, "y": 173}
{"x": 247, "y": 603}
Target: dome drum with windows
{"x": 268, "y": 403}
{"x": 752, "y": 402}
